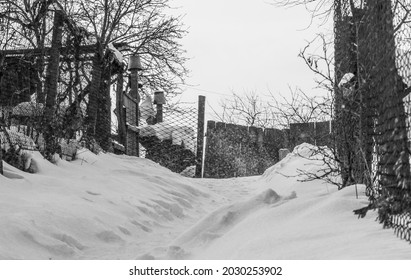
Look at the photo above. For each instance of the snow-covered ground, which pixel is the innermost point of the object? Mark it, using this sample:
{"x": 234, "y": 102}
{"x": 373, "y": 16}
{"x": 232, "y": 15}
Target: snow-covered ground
{"x": 118, "y": 207}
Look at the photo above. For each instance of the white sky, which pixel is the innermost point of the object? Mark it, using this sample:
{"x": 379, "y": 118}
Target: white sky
{"x": 245, "y": 45}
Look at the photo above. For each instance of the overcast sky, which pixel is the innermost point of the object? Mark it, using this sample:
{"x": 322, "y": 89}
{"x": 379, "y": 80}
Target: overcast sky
{"x": 245, "y": 45}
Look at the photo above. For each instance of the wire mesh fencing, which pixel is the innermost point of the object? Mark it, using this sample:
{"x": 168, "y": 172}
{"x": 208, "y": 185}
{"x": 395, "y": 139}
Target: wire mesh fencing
{"x": 169, "y": 135}
{"x": 372, "y": 71}
{"x": 42, "y": 82}
{"x": 64, "y": 89}
{"x": 172, "y": 142}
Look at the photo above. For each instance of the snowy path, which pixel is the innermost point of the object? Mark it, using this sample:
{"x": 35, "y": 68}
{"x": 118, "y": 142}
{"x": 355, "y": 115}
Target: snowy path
{"x": 227, "y": 192}
{"x": 231, "y": 189}
{"x": 103, "y": 207}
{"x": 119, "y": 207}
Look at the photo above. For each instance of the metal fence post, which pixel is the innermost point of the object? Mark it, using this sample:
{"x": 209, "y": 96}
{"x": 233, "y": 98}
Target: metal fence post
{"x": 124, "y": 121}
{"x": 200, "y": 136}
{"x": 134, "y": 67}
{"x": 120, "y": 112}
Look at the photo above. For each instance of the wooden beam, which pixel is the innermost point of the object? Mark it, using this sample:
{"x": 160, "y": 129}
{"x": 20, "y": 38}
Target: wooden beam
{"x": 83, "y": 49}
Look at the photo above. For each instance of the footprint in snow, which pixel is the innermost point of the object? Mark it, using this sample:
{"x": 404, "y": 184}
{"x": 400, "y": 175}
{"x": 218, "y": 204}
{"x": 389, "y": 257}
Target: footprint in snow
{"x": 93, "y": 193}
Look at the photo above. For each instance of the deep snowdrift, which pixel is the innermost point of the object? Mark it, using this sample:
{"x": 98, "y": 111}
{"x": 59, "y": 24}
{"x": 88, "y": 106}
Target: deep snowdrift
{"x": 119, "y": 207}
{"x": 100, "y": 207}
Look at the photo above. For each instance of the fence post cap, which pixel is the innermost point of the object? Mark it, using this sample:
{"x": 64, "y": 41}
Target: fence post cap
{"x": 135, "y": 63}
{"x": 159, "y": 97}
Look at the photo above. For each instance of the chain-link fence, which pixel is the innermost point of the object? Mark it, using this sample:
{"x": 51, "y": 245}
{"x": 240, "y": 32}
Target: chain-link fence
{"x": 62, "y": 89}
{"x": 372, "y": 70}
{"x": 169, "y": 137}
{"x": 44, "y": 74}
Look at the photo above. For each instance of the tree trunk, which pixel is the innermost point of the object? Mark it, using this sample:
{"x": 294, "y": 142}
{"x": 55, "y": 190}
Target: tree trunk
{"x": 347, "y": 129}
{"x": 103, "y": 125}
{"x": 92, "y": 107}
{"x": 40, "y": 64}
{"x": 51, "y": 86}
{"x": 99, "y": 106}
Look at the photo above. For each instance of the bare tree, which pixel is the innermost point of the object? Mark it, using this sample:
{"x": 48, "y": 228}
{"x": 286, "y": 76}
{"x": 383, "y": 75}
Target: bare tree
{"x": 141, "y": 27}
{"x": 247, "y": 109}
{"x": 320, "y": 63}
{"x": 147, "y": 31}
{"x": 277, "y": 110}
{"x": 319, "y": 9}
{"x": 299, "y": 107}
{"x": 31, "y": 28}
{"x": 8, "y": 37}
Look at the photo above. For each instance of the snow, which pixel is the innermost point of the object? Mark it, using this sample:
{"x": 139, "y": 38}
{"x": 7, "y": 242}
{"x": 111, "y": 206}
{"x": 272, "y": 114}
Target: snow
{"x": 146, "y": 108}
{"x": 346, "y": 79}
{"x": 110, "y": 206}
{"x": 190, "y": 171}
{"x": 18, "y": 139}
{"x": 28, "y": 109}
{"x": 179, "y": 135}
{"x": 117, "y": 54}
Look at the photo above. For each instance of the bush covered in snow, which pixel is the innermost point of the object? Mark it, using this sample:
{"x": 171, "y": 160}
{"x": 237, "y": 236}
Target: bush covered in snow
{"x": 16, "y": 149}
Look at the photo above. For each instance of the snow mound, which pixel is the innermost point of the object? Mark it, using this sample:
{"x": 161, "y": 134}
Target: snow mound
{"x": 95, "y": 207}
{"x": 309, "y": 151}
{"x": 119, "y": 207}
{"x": 310, "y": 227}
{"x": 301, "y": 155}
{"x": 281, "y": 232}
{"x": 306, "y": 157}
{"x": 220, "y": 222}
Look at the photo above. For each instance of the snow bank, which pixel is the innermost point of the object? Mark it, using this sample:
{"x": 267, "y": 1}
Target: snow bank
{"x": 221, "y": 221}
{"x": 97, "y": 207}
{"x": 119, "y": 207}
{"x": 305, "y": 220}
